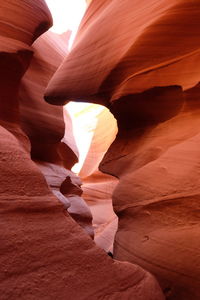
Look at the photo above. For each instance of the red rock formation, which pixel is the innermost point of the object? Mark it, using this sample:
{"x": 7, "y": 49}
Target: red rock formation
{"x": 158, "y": 224}
{"x": 16, "y": 35}
{"x": 144, "y": 46}
{"x": 97, "y": 192}
{"x": 44, "y": 253}
{"x": 25, "y": 21}
{"x": 95, "y": 129}
{"x": 66, "y": 186}
{"x": 46, "y": 126}
{"x": 142, "y": 61}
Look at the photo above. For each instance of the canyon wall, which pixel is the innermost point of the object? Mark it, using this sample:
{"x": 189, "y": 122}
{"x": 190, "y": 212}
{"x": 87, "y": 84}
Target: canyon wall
{"x": 142, "y": 62}
{"x": 45, "y": 254}
{"x": 46, "y": 127}
{"x": 93, "y": 140}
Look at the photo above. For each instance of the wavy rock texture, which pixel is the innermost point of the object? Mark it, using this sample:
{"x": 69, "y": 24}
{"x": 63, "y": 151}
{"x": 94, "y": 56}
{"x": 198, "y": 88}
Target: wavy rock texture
{"x": 142, "y": 61}
{"x": 97, "y": 192}
{"x": 66, "y": 186}
{"x": 96, "y": 126}
{"x": 104, "y": 129}
{"x": 46, "y": 126}
{"x": 157, "y": 199}
{"x": 20, "y": 25}
{"x": 24, "y": 21}
{"x": 44, "y": 253}
{"x": 144, "y": 46}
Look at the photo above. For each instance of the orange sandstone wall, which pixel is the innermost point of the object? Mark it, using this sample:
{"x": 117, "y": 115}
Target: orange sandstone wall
{"x": 142, "y": 62}
{"x": 44, "y": 253}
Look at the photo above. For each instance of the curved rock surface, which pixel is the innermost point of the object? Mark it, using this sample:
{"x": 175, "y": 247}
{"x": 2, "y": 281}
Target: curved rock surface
{"x": 66, "y": 186}
{"x": 20, "y": 25}
{"x": 95, "y": 129}
{"x": 157, "y": 199}
{"x": 126, "y": 47}
{"x": 24, "y": 20}
{"x": 45, "y": 128}
{"x": 44, "y": 253}
{"x": 97, "y": 192}
{"x": 142, "y": 61}
{"x": 102, "y": 127}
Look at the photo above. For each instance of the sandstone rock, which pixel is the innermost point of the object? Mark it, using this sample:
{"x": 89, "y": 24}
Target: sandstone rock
{"x": 24, "y": 20}
{"x": 142, "y": 61}
{"x": 46, "y": 127}
{"x": 68, "y": 142}
{"x": 66, "y": 186}
{"x": 126, "y": 47}
{"x": 104, "y": 133}
{"x": 157, "y": 199}
{"x": 97, "y": 192}
{"x": 14, "y": 60}
{"x": 20, "y": 25}
{"x": 95, "y": 129}
{"x": 44, "y": 254}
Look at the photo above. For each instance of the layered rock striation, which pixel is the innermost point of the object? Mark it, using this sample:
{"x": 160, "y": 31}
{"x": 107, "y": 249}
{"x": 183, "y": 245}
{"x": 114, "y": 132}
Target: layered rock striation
{"x": 45, "y": 254}
{"x": 142, "y": 62}
{"x": 95, "y": 129}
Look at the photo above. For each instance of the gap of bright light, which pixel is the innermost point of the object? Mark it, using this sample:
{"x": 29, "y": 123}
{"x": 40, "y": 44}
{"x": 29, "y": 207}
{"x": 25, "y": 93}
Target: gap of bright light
{"x": 84, "y": 119}
{"x": 67, "y": 15}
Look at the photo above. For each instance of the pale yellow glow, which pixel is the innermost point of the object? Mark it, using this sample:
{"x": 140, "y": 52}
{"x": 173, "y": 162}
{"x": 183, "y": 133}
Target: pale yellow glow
{"x": 67, "y": 15}
{"x": 84, "y": 119}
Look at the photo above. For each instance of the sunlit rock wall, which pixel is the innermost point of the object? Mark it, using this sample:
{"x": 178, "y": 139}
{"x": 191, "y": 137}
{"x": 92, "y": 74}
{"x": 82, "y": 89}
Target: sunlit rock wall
{"x": 144, "y": 46}
{"x": 44, "y": 253}
{"x": 95, "y": 129}
{"x": 98, "y": 187}
{"x": 142, "y": 62}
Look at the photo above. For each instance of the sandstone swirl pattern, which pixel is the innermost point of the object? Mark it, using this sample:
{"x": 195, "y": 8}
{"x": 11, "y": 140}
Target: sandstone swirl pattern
{"x": 141, "y": 60}
{"x": 44, "y": 252}
{"x": 126, "y": 47}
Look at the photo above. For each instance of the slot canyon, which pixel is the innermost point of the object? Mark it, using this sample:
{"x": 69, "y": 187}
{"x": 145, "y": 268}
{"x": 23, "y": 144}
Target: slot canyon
{"x": 99, "y": 157}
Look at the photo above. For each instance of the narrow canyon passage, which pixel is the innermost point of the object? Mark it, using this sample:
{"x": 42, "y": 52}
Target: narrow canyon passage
{"x": 99, "y": 150}
{"x": 94, "y": 129}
